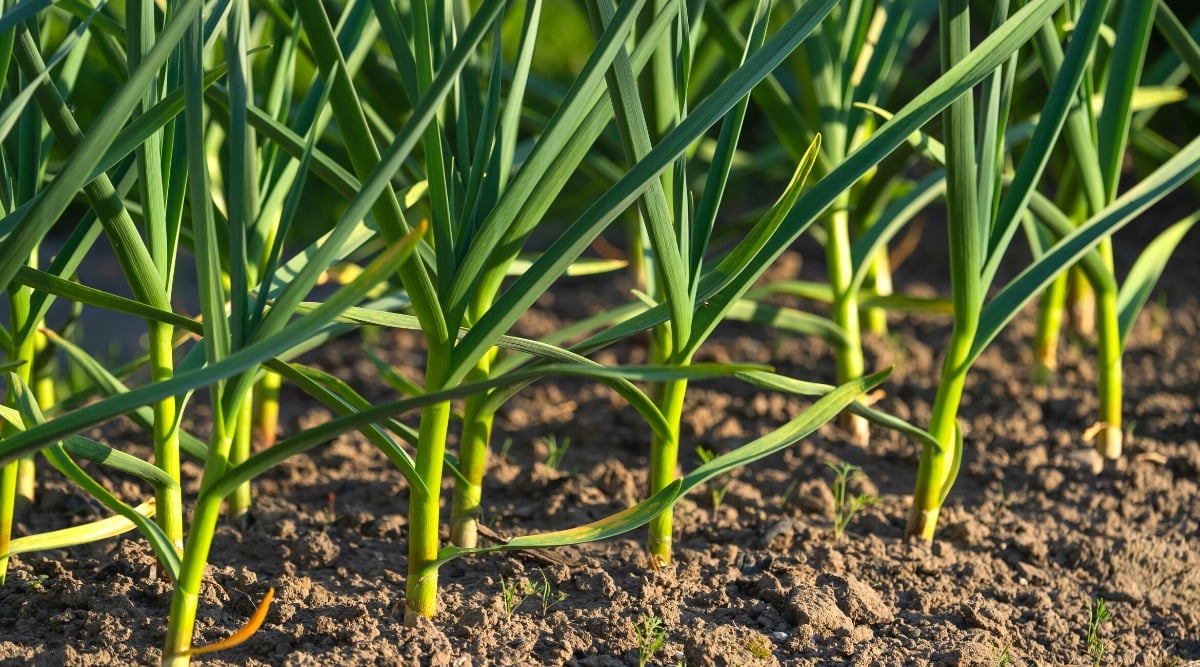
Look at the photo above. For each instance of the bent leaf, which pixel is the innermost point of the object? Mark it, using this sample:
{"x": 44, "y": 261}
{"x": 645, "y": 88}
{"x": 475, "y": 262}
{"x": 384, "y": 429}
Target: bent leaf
{"x": 800, "y": 427}
{"x": 87, "y": 533}
{"x": 1001, "y": 309}
{"x": 1145, "y": 273}
{"x": 58, "y": 456}
{"x": 245, "y": 632}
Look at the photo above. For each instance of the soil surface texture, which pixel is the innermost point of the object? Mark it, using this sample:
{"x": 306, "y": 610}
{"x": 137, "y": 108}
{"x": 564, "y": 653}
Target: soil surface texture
{"x": 1030, "y": 537}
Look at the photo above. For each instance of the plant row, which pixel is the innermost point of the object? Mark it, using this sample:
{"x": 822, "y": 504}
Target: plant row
{"x": 445, "y": 164}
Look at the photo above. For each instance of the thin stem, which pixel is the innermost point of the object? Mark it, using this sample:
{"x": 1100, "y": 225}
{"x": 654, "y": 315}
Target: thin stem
{"x": 1109, "y": 375}
{"x": 850, "y": 363}
{"x": 240, "y": 500}
{"x": 880, "y": 280}
{"x": 8, "y": 497}
{"x": 664, "y": 463}
{"x": 166, "y": 435}
{"x": 1081, "y": 304}
{"x": 1049, "y": 326}
{"x": 472, "y": 459}
{"x": 966, "y": 238}
{"x": 23, "y": 351}
{"x": 267, "y": 395}
{"x": 26, "y": 483}
{"x": 184, "y": 602}
{"x": 424, "y": 502}
{"x": 936, "y": 466}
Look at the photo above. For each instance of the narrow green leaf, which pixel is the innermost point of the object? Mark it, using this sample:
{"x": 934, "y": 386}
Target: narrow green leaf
{"x": 659, "y": 223}
{"x": 826, "y": 408}
{"x": 611, "y": 526}
{"x": 57, "y": 455}
{"x": 1124, "y": 71}
{"x": 1005, "y": 305}
{"x": 988, "y": 55}
{"x": 571, "y": 243}
{"x": 1145, "y": 273}
{"x": 1177, "y": 36}
{"x": 776, "y": 382}
{"x": 64, "y": 538}
{"x": 739, "y": 266}
{"x": 256, "y": 353}
{"x": 76, "y": 171}
{"x": 786, "y": 319}
{"x": 110, "y": 385}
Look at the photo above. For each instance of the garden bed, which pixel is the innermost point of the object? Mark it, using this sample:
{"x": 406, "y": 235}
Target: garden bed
{"x": 1029, "y": 540}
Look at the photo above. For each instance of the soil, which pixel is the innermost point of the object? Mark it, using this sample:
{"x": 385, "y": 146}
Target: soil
{"x": 1030, "y": 537}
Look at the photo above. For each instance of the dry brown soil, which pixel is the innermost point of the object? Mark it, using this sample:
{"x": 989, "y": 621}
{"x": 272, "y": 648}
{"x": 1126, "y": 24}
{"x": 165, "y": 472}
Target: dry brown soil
{"x": 1029, "y": 539}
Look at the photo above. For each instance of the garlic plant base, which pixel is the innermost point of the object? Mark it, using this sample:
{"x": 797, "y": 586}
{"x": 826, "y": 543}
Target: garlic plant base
{"x": 856, "y": 428}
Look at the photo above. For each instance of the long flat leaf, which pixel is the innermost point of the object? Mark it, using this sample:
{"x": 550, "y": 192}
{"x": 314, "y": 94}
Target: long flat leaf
{"x": 246, "y": 358}
{"x": 643, "y": 512}
{"x": 987, "y": 56}
{"x": 64, "y": 538}
{"x": 76, "y": 172}
{"x": 1145, "y": 273}
{"x": 579, "y": 236}
{"x": 1005, "y": 305}
{"x": 57, "y": 455}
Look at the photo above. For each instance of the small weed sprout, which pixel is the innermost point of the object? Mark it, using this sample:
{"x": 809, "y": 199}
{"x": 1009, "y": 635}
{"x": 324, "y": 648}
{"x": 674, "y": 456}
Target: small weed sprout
{"x": 717, "y": 492}
{"x": 1095, "y": 644}
{"x": 759, "y": 647}
{"x": 651, "y": 636}
{"x": 787, "y": 493}
{"x": 546, "y": 592}
{"x": 505, "y": 447}
{"x": 1002, "y": 501}
{"x": 1002, "y": 655}
{"x": 845, "y": 508}
{"x": 330, "y": 509}
{"x": 555, "y": 451}
{"x": 512, "y": 595}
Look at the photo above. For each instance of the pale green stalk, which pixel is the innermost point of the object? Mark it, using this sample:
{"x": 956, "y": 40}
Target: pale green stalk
{"x": 8, "y": 499}
{"x": 161, "y": 235}
{"x": 472, "y": 459}
{"x": 266, "y": 393}
{"x": 17, "y": 484}
{"x": 664, "y": 461}
{"x": 425, "y": 490}
{"x": 240, "y": 501}
{"x": 424, "y": 504}
{"x": 967, "y": 240}
{"x": 1052, "y": 307}
{"x": 668, "y": 85}
{"x": 29, "y": 348}
{"x": 216, "y": 341}
{"x": 186, "y": 598}
{"x": 879, "y": 281}
{"x": 1081, "y": 300}
{"x": 139, "y": 268}
{"x": 828, "y": 86}
{"x": 23, "y": 351}
{"x": 845, "y": 311}
{"x": 1098, "y": 147}
{"x": 522, "y": 203}
{"x": 1049, "y": 323}
{"x": 169, "y": 501}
